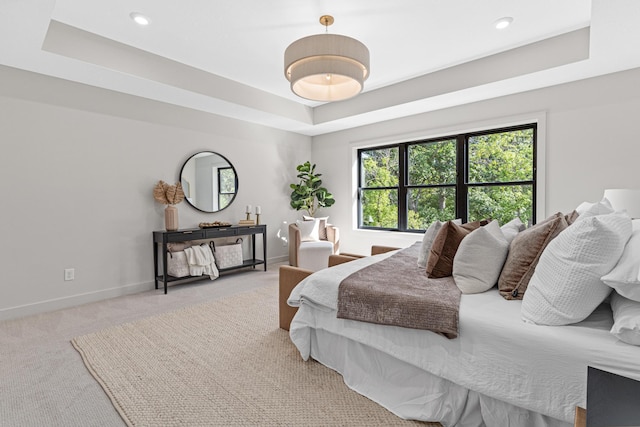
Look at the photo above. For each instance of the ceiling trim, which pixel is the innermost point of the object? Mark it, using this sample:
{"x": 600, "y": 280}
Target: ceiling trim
{"x": 232, "y": 99}
{"x": 73, "y": 42}
{"x": 546, "y": 54}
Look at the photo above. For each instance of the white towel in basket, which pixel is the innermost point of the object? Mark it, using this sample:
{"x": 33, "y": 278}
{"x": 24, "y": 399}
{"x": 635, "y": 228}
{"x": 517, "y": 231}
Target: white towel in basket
{"x": 201, "y": 261}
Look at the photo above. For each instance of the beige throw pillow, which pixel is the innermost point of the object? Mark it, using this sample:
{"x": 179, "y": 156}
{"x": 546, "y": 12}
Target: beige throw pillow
{"x": 479, "y": 259}
{"x": 511, "y": 229}
{"x": 524, "y": 253}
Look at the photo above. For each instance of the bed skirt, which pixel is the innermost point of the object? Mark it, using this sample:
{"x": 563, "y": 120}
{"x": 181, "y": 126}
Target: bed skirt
{"x": 413, "y": 393}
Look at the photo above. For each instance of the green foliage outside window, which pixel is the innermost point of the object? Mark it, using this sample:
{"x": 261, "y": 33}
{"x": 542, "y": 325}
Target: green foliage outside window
{"x": 380, "y": 208}
{"x": 226, "y": 186}
{"x": 434, "y": 164}
{"x": 500, "y": 158}
{"x": 380, "y": 169}
{"x": 497, "y": 179}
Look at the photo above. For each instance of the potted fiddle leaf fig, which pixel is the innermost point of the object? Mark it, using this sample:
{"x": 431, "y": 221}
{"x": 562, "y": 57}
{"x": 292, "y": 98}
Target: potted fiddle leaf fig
{"x": 309, "y": 194}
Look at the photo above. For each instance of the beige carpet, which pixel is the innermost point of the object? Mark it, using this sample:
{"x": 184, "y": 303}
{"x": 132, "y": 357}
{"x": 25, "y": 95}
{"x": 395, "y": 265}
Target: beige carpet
{"x": 222, "y": 363}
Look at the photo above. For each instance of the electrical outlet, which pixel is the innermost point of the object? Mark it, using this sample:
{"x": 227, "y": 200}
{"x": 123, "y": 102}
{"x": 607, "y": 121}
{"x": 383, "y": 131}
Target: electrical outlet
{"x": 69, "y": 273}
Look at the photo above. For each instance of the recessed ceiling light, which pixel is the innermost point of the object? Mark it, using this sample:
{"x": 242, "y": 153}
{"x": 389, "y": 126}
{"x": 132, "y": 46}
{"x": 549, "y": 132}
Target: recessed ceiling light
{"x": 503, "y": 23}
{"x": 139, "y": 18}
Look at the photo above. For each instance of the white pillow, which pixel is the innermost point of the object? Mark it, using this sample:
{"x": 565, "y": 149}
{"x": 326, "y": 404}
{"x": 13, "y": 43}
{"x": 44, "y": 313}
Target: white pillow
{"x": 626, "y": 319}
{"x": 479, "y": 259}
{"x": 322, "y": 228}
{"x": 309, "y": 230}
{"x": 566, "y": 287}
{"x": 511, "y": 229}
{"x": 625, "y": 276}
{"x": 586, "y": 209}
{"x": 427, "y": 241}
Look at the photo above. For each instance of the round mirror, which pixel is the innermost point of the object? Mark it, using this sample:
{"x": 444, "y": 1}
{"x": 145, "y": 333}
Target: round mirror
{"x": 209, "y": 181}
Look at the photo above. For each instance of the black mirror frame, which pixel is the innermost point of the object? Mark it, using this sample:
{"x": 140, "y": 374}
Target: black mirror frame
{"x": 230, "y": 166}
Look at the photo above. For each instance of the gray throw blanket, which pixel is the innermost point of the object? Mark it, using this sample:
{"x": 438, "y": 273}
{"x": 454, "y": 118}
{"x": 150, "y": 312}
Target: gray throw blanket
{"x": 395, "y": 291}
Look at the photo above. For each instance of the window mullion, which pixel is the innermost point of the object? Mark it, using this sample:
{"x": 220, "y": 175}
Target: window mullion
{"x": 534, "y": 204}
{"x": 461, "y": 177}
{"x": 403, "y": 179}
{"x": 360, "y": 223}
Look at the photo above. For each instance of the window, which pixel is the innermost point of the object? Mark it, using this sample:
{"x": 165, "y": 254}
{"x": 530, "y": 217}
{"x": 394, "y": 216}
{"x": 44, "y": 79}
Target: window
{"x": 472, "y": 176}
{"x": 226, "y": 186}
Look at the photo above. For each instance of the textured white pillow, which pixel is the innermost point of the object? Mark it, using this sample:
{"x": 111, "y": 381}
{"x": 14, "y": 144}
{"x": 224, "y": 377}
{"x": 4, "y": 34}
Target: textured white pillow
{"x": 427, "y": 241}
{"x": 511, "y": 229}
{"x": 566, "y": 287}
{"x": 626, "y": 319}
{"x": 625, "y": 276}
{"x": 479, "y": 259}
{"x": 309, "y": 230}
{"x": 586, "y": 209}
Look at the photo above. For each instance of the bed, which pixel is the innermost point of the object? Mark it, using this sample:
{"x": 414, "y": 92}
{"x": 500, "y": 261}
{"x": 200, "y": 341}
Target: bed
{"x": 499, "y": 371}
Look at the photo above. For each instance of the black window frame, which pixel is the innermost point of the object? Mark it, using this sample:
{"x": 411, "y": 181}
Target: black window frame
{"x": 221, "y": 193}
{"x": 461, "y": 185}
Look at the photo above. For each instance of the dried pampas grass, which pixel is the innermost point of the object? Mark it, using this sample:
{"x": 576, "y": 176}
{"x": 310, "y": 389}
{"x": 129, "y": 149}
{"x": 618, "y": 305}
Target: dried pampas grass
{"x": 159, "y": 192}
{"x": 168, "y": 194}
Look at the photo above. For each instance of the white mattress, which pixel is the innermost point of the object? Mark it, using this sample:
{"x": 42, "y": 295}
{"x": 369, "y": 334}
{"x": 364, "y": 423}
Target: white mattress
{"x": 540, "y": 368}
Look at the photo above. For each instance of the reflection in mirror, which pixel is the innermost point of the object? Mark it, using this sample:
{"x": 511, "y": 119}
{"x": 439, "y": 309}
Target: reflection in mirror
{"x": 209, "y": 181}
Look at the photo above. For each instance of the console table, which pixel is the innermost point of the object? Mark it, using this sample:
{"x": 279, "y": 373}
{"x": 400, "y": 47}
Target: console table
{"x": 162, "y": 238}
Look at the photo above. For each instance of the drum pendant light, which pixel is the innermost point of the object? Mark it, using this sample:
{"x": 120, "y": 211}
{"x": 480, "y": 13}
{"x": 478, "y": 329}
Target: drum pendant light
{"x": 326, "y": 67}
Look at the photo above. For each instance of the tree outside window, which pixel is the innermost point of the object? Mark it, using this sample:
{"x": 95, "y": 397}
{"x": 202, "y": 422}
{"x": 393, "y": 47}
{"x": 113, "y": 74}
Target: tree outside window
{"x": 471, "y": 176}
{"x": 227, "y": 186}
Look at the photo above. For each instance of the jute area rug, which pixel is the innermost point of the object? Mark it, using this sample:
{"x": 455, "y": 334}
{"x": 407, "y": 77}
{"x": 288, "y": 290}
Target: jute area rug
{"x": 221, "y": 363}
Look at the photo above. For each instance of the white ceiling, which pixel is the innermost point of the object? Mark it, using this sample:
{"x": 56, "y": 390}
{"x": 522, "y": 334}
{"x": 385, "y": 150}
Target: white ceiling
{"x": 227, "y": 57}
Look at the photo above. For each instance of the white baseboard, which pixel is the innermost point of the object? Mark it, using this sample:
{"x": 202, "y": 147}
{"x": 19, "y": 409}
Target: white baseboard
{"x": 71, "y": 301}
{"x": 275, "y": 260}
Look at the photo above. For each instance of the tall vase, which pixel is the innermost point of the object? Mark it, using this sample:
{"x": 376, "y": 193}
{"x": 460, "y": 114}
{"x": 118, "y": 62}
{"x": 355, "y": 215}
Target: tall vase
{"x": 171, "y": 218}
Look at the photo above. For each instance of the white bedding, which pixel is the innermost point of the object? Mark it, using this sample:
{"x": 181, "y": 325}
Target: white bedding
{"x": 497, "y": 356}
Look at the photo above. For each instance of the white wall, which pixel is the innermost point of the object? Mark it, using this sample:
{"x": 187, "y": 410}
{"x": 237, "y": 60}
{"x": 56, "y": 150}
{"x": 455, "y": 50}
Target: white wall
{"x": 78, "y": 166}
{"x": 589, "y": 128}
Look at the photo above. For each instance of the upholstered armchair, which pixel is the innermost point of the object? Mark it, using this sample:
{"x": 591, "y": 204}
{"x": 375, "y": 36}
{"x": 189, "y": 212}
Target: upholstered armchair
{"x": 311, "y": 247}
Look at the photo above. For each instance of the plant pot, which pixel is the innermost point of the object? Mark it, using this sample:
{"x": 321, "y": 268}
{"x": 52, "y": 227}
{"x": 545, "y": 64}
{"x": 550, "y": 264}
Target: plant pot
{"x": 171, "y": 218}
